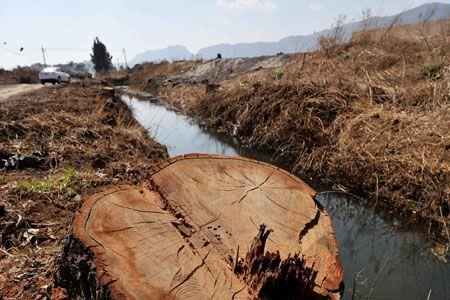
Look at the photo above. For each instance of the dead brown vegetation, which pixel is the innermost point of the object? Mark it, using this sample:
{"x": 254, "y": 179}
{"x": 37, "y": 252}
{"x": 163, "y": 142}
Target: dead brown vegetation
{"x": 91, "y": 140}
{"x": 370, "y": 122}
{"x": 18, "y": 75}
{"x": 362, "y": 115}
{"x": 410, "y": 32}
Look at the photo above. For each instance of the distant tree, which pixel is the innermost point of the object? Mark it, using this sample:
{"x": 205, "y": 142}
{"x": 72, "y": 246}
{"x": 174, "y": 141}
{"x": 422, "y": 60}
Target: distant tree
{"x": 100, "y": 57}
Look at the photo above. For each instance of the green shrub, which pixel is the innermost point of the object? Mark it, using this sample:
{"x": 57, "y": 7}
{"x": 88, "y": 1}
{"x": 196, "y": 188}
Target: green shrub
{"x": 278, "y": 75}
{"x": 432, "y": 71}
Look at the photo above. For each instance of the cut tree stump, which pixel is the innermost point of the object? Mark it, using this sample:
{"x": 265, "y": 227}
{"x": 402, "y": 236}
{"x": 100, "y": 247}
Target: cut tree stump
{"x": 207, "y": 226}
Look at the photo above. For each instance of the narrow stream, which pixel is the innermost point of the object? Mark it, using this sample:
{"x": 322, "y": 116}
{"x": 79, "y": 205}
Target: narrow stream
{"x": 383, "y": 261}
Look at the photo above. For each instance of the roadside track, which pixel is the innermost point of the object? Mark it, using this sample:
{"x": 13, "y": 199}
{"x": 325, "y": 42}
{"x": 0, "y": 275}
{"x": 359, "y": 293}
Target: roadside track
{"x": 7, "y": 91}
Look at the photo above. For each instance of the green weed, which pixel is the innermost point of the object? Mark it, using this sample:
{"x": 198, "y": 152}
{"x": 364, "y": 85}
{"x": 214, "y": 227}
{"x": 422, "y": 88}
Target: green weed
{"x": 52, "y": 185}
{"x": 278, "y": 75}
{"x": 432, "y": 71}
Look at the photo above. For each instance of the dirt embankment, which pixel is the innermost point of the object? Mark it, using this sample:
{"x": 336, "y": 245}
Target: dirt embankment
{"x": 371, "y": 116}
{"x": 214, "y": 71}
{"x": 151, "y": 76}
{"x": 57, "y": 145}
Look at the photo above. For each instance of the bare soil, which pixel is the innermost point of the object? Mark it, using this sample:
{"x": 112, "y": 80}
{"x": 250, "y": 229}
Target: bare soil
{"x": 7, "y": 91}
{"x": 88, "y": 139}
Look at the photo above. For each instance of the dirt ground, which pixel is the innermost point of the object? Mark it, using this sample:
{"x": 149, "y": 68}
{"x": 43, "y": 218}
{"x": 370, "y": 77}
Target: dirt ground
{"x": 7, "y": 91}
{"x": 68, "y": 141}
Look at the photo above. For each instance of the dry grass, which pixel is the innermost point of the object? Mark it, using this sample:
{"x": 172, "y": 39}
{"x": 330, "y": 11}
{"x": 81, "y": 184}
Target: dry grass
{"x": 92, "y": 140}
{"x": 363, "y": 118}
{"x": 362, "y": 115}
{"x": 18, "y": 75}
{"x": 411, "y": 32}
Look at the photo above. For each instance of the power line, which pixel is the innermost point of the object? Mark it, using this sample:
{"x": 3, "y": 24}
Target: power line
{"x": 67, "y": 49}
{"x": 22, "y": 52}
{"x": 121, "y": 52}
{"x": 2, "y": 56}
{"x": 77, "y": 49}
{"x": 6, "y": 49}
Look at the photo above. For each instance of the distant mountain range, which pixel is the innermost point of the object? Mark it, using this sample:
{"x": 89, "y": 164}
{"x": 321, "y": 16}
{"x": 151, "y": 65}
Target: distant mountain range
{"x": 176, "y": 52}
{"x": 297, "y": 43}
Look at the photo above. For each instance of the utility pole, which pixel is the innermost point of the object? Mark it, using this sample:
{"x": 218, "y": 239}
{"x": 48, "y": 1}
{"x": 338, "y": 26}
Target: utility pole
{"x": 125, "y": 57}
{"x": 43, "y": 55}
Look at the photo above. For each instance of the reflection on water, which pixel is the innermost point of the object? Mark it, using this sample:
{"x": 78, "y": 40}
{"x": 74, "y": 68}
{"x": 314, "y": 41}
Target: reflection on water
{"x": 367, "y": 242}
{"x": 384, "y": 262}
{"x": 177, "y": 132}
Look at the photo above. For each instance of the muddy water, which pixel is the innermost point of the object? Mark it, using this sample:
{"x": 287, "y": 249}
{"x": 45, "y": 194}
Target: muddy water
{"x": 380, "y": 261}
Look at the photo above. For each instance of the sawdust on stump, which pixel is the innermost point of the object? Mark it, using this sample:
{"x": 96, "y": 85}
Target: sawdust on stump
{"x": 207, "y": 226}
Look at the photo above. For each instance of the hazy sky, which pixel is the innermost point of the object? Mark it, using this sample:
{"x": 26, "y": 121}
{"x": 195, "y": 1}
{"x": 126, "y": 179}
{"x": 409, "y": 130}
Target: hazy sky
{"x": 139, "y": 25}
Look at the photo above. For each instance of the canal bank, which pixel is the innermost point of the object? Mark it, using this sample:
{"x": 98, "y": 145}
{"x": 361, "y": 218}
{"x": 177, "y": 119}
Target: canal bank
{"x": 381, "y": 260}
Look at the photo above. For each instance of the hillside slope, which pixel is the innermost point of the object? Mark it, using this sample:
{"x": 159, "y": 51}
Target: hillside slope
{"x": 170, "y": 53}
{"x": 370, "y": 116}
